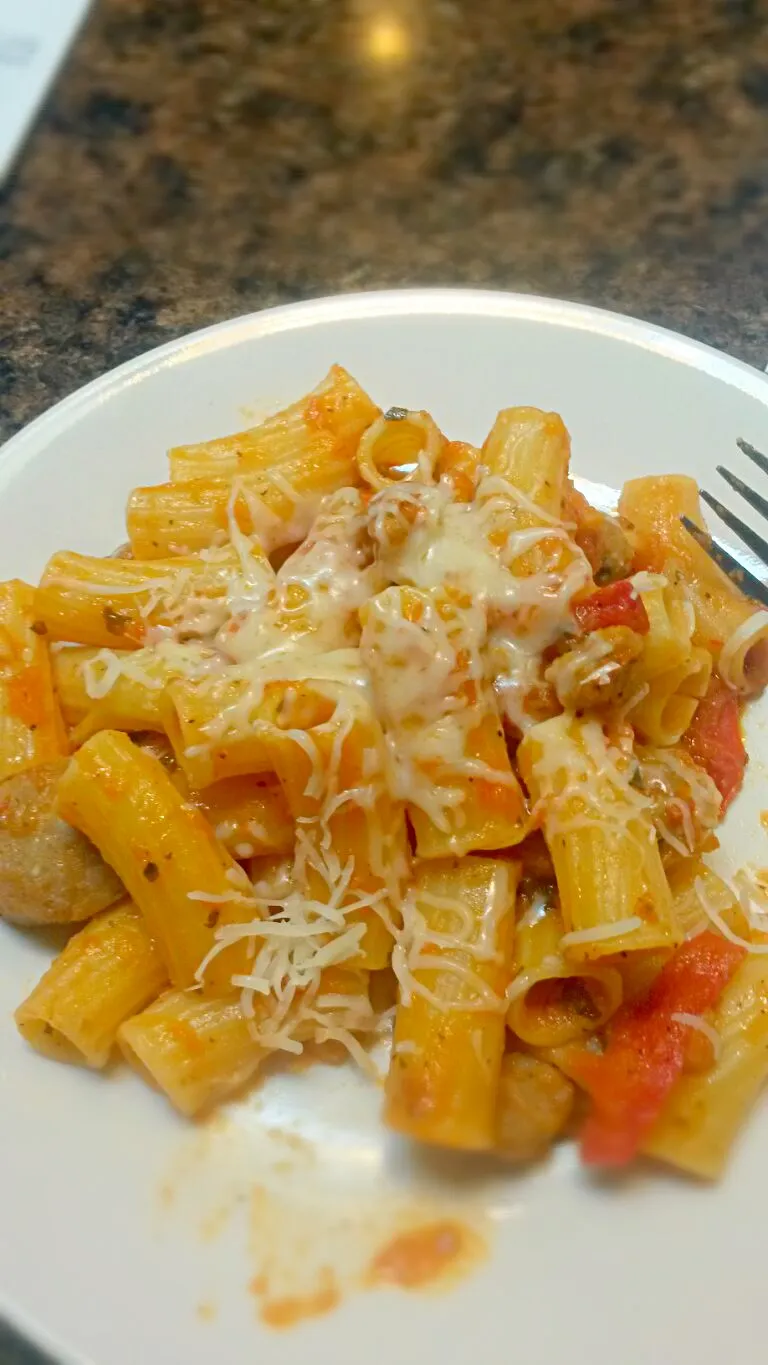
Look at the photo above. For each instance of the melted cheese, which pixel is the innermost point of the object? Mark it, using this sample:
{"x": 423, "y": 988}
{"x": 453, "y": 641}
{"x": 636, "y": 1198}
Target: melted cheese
{"x": 587, "y": 782}
{"x": 317, "y": 591}
{"x": 688, "y": 793}
{"x": 150, "y": 668}
{"x": 482, "y": 619}
{"x": 473, "y": 548}
{"x": 493, "y": 580}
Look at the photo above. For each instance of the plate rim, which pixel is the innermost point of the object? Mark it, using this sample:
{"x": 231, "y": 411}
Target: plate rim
{"x": 379, "y": 303}
{"x": 448, "y": 302}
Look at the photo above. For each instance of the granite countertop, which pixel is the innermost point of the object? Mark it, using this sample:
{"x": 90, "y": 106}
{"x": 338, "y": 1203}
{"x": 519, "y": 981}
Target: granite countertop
{"x": 202, "y": 158}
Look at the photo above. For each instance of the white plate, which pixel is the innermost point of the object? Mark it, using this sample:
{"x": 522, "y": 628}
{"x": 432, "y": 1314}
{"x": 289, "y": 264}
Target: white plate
{"x": 126, "y": 1235}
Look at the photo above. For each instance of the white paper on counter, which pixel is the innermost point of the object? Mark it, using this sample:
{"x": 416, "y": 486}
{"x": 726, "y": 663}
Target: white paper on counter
{"x": 34, "y": 36}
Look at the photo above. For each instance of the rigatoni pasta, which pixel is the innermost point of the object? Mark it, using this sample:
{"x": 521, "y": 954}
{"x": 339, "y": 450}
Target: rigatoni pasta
{"x": 731, "y": 627}
{"x": 108, "y": 971}
{"x": 324, "y": 426}
{"x": 162, "y": 848}
{"x": 372, "y": 723}
{"x": 614, "y": 894}
{"x": 117, "y": 603}
{"x": 108, "y": 689}
{"x": 196, "y": 1050}
{"x": 699, "y": 1124}
{"x": 31, "y": 728}
{"x": 553, "y": 1000}
{"x": 448, "y": 1041}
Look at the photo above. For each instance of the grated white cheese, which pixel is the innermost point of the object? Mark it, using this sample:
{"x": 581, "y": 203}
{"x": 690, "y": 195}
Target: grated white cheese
{"x": 601, "y": 932}
{"x": 708, "y": 1031}
{"x": 714, "y": 916}
{"x": 648, "y": 582}
{"x": 585, "y": 782}
{"x": 466, "y": 940}
{"x": 733, "y": 656}
{"x": 554, "y": 966}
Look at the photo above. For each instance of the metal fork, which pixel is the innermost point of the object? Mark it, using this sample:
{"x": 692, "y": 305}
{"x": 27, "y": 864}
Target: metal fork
{"x": 745, "y": 581}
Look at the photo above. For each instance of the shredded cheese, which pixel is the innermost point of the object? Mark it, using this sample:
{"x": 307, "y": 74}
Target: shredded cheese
{"x": 702, "y": 1026}
{"x": 714, "y": 916}
{"x": 647, "y": 582}
{"x": 734, "y": 652}
{"x": 433, "y": 614}
{"x": 552, "y": 966}
{"x": 601, "y": 932}
{"x": 465, "y": 944}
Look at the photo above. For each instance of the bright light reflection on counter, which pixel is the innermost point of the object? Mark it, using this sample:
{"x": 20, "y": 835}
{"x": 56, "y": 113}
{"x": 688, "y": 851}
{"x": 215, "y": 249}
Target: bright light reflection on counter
{"x": 387, "y": 39}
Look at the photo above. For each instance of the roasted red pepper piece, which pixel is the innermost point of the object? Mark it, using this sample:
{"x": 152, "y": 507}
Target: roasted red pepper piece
{"x": 630, "y": 1082}
{"x": 714, "y": 740}
{"x": 618, "y": 604}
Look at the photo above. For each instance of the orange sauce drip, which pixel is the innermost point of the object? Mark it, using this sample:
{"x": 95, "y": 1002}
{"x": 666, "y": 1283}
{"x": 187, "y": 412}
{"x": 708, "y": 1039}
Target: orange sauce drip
{"x": 26, "y": 699}
{"x": 421, "y": 1256}
{"x": 288, "y": 1311}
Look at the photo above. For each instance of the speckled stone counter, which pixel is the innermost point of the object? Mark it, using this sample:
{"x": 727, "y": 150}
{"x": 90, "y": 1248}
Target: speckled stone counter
{"x": 201, "y": 158}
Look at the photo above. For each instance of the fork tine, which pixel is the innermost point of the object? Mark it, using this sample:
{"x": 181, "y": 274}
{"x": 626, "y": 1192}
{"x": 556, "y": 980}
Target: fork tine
{"x": 749, "y": 495}
{"x": 749, "y": 450}
{"x": 750, "y": 537}
{"x": 739, "y": 576}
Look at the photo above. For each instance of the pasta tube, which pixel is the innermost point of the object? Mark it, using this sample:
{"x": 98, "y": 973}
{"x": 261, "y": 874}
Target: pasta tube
{"x": 398, "y": 447}
{"x": 665, "y": 712}
{"x": 225, "y": 727}
{"x": 526, "y": 454}
{"x": 100, "y": 689}
{"x": 553, "y": 1001}
{"x": 451, "y": 760}
{"x": 727, "y": 624}
{"x": 31, "y": 728}
{"x": 671, "y": 622}
{"x": 705, "y": 1111}
{"x": 638, "y": 971}
{"x": 613, "y": 892}
{"x": 531, "y": 449}
{"x": 201, "y": 1051}
{"x": 183, "y": 518}
{"x": 693, "y": 884}
{"x": 163, "y": 850}
{"x": 521, "y": 504}
{"x": 458, "y": 463}
{"x": 352, "y": 842}
{"x": 249, "y": 815}
{"x": 107, "y": 971}
{"x": 278, "y": 501}
{"x": 453, "y": 966}
{"x": 670, "y": 676}
{"x": 198, "y": 1051}
{"x": 322, "y": 428}
{"x": 112, "y": 603}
